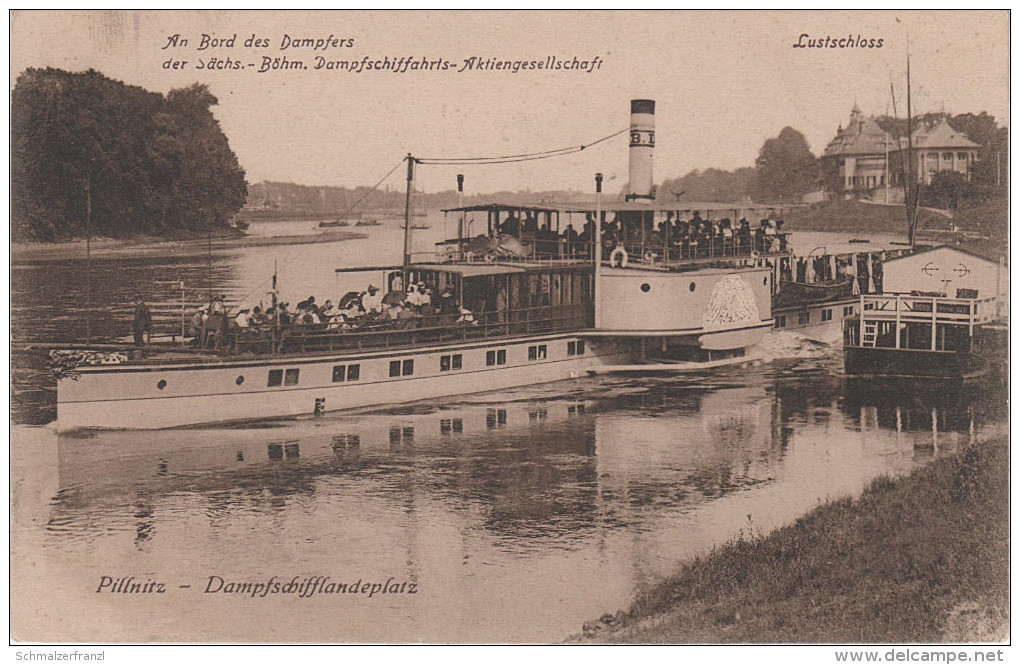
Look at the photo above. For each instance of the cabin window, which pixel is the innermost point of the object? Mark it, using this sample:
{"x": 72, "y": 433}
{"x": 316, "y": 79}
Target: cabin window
{"x": 239, "y": 380}
{"x": 290, "y": 378}
{"x": 947, "y": 156}
{"x": 962, "y": 156}
{"x": 539, "y": 352}
{"x": 447, "y": 363}
{"x": 162, "y": 384}
{"x": 339, "y": 373}
{"x": 826, "y": 315}
{"x": 575, "y": 348}
{"x": 353, "y": 372}
{"x": 803, "y": 318}
{"x": 275, "y": 378}
{"x": 402, "y": 368}
{"x": 780, "y": 321}
{"x": 848, "y": 311}
{"x": 692, "y": 287}
{"x": 495, "y": 357}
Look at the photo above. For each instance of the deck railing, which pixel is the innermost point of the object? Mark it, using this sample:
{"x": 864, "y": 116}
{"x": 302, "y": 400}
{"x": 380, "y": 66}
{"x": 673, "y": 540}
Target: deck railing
{"x": 895, "y": 320}
{"x": 650, "y": 251}
{"x": 906, "y": 308}
{"x": 414, "y": 332}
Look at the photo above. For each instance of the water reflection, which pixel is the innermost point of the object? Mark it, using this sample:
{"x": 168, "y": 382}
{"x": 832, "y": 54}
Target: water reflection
{"x": 559, "y": 506}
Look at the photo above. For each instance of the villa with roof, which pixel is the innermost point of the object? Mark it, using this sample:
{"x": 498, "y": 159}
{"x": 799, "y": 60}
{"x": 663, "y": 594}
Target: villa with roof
{"x": 863, "y": 158}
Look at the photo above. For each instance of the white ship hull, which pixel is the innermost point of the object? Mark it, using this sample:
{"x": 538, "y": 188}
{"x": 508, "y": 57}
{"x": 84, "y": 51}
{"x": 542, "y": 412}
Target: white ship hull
{"x": 177, "y": 394}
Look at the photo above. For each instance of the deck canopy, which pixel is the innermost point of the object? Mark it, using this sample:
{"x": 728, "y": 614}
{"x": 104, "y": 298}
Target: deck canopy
{"x": 713, "y": 209}
{"x": 501, "y": 207}
{"x": 519, "y": 221}
{"x": 469, "y": 270}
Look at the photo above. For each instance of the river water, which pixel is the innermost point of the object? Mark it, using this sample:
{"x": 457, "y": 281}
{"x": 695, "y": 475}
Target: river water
{"x": 514, "y": 516}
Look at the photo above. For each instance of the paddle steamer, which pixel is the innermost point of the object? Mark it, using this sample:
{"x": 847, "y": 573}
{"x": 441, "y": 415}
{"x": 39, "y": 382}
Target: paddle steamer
{"x": 544, "y": 306}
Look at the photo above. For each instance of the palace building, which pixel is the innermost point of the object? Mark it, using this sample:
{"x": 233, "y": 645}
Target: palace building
{"x": 863, "y": 158}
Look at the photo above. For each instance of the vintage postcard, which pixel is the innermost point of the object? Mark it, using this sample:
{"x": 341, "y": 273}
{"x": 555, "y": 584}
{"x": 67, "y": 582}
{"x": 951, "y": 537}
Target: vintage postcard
{"x": 494, "y": 327}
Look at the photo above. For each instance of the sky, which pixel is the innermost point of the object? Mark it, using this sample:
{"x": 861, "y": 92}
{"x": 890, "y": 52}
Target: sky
{"x": 723, "y": 83}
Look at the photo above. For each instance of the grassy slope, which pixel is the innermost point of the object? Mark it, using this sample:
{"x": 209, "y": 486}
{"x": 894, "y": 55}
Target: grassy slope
{"x": 857, "y": 216}
{"x": 924, "y": 558}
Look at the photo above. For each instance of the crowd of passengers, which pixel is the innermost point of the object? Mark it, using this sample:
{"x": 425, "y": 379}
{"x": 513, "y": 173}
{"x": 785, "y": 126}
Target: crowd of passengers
{"x": 692, "y": 238}
{"x": 370, "y": 310}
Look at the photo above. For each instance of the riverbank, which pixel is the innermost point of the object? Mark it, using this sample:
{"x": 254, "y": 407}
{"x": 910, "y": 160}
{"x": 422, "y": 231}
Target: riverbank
{"x": 188, "y": 245}
{"x": 858, "y": 216}
{"x": 923, "y": 558}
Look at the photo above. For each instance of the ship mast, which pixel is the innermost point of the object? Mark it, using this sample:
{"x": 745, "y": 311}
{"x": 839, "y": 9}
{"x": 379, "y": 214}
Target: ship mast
{"x": 88, "y": 257}
{"x": 407, "y": 214}
{"x": 597, "y": 249}
{"x": 911, "y": 195}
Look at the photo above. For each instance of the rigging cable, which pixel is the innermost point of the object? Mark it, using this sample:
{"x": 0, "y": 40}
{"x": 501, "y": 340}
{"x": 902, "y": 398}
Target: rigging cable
{"x": 523, "y": 157}
{"x": 460, "y": 161}
{"x": 346, "y": 212}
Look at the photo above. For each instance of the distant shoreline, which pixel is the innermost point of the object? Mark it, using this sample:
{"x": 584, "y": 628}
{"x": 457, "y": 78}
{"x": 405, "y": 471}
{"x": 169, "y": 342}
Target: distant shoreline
{"x": 31, "y": 252}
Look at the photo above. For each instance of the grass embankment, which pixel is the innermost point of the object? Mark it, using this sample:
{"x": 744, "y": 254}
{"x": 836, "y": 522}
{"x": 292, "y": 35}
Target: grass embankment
{"x": 858, "y": 216}
{"x": 924, "y": 558}
{"x": 988, "y": 217}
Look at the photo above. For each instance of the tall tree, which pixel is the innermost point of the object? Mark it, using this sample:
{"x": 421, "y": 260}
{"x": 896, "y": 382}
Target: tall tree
{"x": 147, "y": 163}
{"x": 786, "y": 167}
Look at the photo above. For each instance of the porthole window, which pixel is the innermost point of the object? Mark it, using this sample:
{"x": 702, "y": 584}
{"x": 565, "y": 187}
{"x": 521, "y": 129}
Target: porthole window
{"x": 646, "y": 287}
{"x": 692, "y": 287}
{"x": 239, "y": 380}
{"x": 161, "y": 384}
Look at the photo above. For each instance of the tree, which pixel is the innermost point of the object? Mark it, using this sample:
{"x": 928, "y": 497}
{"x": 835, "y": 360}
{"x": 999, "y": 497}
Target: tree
{"x": 786, "y": 168}
{"x": 946, "y": 190}
{"x": 144, "y": 163}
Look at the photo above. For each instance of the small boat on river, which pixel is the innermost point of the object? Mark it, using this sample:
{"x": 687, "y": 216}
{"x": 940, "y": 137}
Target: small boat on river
{"x": 368, "y": 222}
{"x": 339, "y": 223}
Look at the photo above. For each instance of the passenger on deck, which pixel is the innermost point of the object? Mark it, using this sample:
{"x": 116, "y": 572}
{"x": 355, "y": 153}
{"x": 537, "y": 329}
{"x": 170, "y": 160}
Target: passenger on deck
{"x": 447, "y": 303}
{"x": 372, "y": 299}
{"x": 196, "y": 321}
{"x": 352, "y": 311}
{"x": 530, "y": 223}
{"x": 744, "y": 237}
{"x": 726, "y": 232}
{"x": 143, "y": 321}
{"x": 759, "y": 236}
{"x": 570, "y": 235}
{"x": 771, "y": 243}
{"x": 242, "y": 320}
{"x": 284, "y": 315}
{"x": 511, "y": 226}
{"x": 781, "y": 235}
